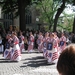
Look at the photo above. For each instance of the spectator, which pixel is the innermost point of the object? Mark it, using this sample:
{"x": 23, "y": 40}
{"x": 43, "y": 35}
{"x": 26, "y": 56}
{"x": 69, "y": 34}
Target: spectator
{"x": 66, "y": 61}
{"x": 26, "y": 43}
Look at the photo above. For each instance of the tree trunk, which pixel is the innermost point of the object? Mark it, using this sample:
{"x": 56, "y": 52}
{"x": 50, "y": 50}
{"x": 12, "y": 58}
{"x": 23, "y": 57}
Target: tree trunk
{"x": 21, "y": 9}
{"x": 60, "y": 10}
{"x": 73, "y": 29}
{"x": 73, "y": 26}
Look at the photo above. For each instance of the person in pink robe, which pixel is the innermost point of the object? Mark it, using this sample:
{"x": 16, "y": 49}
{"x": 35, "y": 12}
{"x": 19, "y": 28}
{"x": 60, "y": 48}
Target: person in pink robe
{"x": 40, "y": 42}
{"x": 8, "y": 47}
{"x": 62, "y": 43}
{"x": 45, "y": 41}
{"x": 15, "y": 52}
{"x": 21, "y": 42}
{"x": 52, "y": 52}
{"x": 31, "y": 43}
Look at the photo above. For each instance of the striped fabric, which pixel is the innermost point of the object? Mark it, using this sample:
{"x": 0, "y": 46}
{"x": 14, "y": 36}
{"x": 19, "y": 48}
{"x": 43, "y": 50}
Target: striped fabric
{"x": 55, "y": 56}
{"x": 15, "y": 54}
{"x": 7, "y": 54}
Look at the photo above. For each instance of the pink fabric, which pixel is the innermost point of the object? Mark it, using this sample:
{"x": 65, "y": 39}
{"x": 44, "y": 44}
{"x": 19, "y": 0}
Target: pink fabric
{"x": 40, "y": 45}
{"x": 31, "y": 43}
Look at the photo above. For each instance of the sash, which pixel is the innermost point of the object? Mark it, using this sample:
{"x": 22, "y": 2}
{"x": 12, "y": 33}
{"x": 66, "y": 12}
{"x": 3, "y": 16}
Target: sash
{"x": 49, "y": 46}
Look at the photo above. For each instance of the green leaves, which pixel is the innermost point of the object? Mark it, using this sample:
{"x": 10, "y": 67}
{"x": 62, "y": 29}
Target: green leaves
{"x": 48, "y": 9}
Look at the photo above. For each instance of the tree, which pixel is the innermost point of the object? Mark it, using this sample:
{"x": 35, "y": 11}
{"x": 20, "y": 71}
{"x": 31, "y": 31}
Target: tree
{"x": 73, "y": 30}
{"x": 10, "y": 6}
{"x": 65, "y": 22}
{"x": 60, "y": 10}
{"x": 47, "y": 9}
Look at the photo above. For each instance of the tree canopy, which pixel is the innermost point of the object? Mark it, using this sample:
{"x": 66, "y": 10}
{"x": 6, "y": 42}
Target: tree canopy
{"x": 47, "y": 7}
{"x": 18, "y": 7}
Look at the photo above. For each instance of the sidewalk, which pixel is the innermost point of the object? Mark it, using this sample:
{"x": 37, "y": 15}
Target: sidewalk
{"x": 31, "y": 64}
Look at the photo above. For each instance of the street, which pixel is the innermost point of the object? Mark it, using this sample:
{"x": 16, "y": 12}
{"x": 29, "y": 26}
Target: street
{"x": 31, "y": 64}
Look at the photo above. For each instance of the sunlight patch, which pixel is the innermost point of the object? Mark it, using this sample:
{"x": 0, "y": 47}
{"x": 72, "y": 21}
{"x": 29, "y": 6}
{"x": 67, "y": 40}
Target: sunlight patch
{"x": 44, "y": 70}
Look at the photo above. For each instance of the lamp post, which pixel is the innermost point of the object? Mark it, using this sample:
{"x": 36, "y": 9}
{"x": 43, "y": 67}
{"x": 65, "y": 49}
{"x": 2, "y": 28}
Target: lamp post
{"x": 37, "y": 20}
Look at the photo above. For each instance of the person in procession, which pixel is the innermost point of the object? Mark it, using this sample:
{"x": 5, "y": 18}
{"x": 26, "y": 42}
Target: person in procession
{"x": 57, "y": 40}
{"x": 31, "y": 43}
{"x": 15, "y": 52}
{"x": 52, "y": 52}
{"x": 21, "y": 42}
{"x": 40, "y": 42}
{"x": 8, "y": 47}
{"x": 62, "y": 43}
{"x": 45, "y": 41}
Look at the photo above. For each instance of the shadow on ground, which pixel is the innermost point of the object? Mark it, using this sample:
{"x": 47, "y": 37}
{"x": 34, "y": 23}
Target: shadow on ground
{"x": 36, "y": 62}
{"x": 26, "y": 52}
{"x": 2, "y": 60}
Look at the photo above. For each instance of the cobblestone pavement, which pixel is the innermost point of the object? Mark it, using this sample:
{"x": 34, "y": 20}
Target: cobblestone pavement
{"x": 31, "y": 64}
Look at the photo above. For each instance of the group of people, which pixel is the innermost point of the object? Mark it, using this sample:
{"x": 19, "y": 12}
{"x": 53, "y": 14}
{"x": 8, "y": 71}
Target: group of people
{"x": 15, "y": 45}
{"x": 51, "y": 45}
{"x": 12, "y": 48}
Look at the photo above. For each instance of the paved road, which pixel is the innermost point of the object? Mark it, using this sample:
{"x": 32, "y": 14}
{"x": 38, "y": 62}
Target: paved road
{"x": 31, "y": 64}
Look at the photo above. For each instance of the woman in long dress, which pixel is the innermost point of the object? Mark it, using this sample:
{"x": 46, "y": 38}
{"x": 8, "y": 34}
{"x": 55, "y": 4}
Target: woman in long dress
{"x": 21, "y": 42}
{"x": 31, "y": 43}
{"x": 15, "y": 52}
{"x": 40, "y": 42}
{"x": 8, "y": 48}
{"x": 45, "y": 41}
{"x": 62, "y": 43}
{"x": 52, "y": 55}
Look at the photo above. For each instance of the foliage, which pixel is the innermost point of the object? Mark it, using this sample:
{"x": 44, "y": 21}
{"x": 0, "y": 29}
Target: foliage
{"x": 67, "y": 22}
{"x": 16, "y": 7}
{"x": 10, "y": 6}
{"x": 47, "y": 9}
{"x": 1, "y": 25}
